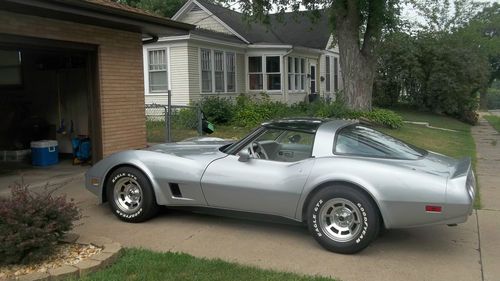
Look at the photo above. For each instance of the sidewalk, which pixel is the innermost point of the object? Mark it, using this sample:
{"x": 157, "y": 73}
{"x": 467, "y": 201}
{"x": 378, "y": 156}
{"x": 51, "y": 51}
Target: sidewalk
{"x": 488, "y": 173}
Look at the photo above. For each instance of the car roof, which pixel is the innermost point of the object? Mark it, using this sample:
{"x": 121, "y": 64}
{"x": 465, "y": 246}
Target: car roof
{"x": 304, "y": 124}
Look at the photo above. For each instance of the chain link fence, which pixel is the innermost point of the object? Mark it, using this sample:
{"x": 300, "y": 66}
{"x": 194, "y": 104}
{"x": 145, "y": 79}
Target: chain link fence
{"x": 176, "y": 124}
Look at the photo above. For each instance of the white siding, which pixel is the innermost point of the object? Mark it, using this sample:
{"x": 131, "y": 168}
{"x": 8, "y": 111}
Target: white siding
{"x": 194, "y": 74}
{"x": 203, "y": 20}
{"x": 179, "y": 74}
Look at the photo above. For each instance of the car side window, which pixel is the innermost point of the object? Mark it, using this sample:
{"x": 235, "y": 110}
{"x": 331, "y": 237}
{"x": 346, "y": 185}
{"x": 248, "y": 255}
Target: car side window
{"x": 363, "y": 141}
{"x": 282, "y": 145}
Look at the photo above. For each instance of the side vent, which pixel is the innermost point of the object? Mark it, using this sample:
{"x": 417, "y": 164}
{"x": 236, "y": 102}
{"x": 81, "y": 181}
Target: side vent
{"x": 174, "y": 188}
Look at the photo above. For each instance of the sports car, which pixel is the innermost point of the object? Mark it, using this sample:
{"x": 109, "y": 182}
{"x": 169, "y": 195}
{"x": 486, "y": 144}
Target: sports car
{"x": 345, "y": 180}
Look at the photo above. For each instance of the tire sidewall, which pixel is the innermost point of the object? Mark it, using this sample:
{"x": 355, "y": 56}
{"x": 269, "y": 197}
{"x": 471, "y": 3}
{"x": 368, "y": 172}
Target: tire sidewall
{"x": 369, "y": 218}
{"x": 148, "y": 202}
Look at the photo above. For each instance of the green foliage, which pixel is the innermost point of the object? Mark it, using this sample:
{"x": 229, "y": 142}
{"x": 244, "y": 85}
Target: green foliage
{"x": 384, "y": 117}
{"x": 185, "y": 118}
{"x": 31, "y": 224}
{"x": 493, "y": 97}
{"x": 160, "y": 7}
{"x": 217, "y": 109}
{"x": 250, "y": 112}
{"x": 435, "y": 72}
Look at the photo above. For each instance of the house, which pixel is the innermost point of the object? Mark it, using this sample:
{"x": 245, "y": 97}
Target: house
{"x": 74, "y": 67}
{"x": 226, "y": 56}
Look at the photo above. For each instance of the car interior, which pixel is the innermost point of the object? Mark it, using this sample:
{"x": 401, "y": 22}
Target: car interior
{"x": 282, "y": 145}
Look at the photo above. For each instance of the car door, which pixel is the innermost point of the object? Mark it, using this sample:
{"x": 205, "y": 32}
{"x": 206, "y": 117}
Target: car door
{"x": 268, "y": 186}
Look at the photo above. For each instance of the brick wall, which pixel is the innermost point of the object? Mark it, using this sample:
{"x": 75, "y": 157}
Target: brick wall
{"x": 120, "y": 73}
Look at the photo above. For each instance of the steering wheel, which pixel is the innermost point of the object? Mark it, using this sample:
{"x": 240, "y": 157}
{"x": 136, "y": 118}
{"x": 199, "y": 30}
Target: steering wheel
{"x": 260, "y": 153}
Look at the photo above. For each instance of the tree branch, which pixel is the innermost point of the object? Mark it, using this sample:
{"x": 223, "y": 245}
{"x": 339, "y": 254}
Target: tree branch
{"x": 376, "y": 9}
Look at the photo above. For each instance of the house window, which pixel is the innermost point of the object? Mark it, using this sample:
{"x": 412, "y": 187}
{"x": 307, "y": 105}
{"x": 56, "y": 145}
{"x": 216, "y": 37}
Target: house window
{"x": 273, "y": 73}
{"x": 328, "y": 74}
{"x": 231, "y": 72}
{"x": 255, "y": 74}
{"x": 219, "y": 71}
{"x": 335, "y": 74}
{"x": 206, "y": 70}
{"x": 157, "y": 66}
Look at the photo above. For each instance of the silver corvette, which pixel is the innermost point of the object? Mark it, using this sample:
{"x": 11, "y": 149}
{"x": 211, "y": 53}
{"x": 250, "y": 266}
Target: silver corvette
{"x": 346, "y": 181}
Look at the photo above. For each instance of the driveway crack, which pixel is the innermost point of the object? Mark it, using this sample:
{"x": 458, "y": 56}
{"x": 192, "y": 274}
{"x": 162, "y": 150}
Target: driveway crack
{"x": 479, "y": 246}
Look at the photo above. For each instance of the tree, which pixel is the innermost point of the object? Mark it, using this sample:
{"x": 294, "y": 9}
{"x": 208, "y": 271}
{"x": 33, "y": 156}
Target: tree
{"x": 357, "y": 26}
{"x": 165, "y": 8}
{"x": 483, "y": 31}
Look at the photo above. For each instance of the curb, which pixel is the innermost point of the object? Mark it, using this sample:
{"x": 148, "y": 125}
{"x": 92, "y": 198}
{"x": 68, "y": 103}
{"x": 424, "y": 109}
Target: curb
{"x": 111, "y": 251}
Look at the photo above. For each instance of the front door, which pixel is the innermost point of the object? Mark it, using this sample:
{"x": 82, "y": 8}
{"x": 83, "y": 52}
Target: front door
{"x": 270, "y": 182}
{"x": 313, "y": 78}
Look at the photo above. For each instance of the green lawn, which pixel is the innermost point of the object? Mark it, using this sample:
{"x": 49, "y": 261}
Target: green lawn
{"x": 494, "y": 121}
{"x": 136, "y": 264}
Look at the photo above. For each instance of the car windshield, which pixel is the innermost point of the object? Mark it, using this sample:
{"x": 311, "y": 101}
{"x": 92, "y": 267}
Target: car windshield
{"x": 364, "y": 141}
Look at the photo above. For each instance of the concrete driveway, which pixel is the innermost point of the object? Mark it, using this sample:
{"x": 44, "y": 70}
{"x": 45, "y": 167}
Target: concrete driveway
{"x": 432, "y": 253}
{"x": 468, "y": 252}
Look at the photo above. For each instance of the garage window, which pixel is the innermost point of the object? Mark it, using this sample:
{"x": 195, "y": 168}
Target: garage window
{"x": 10, "y": 68}
{"x": 158, "y": 81}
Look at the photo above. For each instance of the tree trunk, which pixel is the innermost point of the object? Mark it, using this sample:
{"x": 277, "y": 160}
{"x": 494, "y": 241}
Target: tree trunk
{"x": 358, "y": 68}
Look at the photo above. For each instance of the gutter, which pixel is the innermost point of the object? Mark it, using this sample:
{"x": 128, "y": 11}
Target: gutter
{"x": 153, "y": 39}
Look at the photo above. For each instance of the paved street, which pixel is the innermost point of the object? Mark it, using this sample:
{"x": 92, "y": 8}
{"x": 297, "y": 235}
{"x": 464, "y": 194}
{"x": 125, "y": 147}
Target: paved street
{"x": 470, "y": 251}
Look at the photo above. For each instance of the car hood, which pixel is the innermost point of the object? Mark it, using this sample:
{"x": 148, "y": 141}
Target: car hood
{"x": 192, "y": 148}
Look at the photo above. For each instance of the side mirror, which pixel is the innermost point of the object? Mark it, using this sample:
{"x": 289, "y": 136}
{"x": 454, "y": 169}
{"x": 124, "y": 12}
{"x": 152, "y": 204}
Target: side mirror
{"x": 244, "y": 156}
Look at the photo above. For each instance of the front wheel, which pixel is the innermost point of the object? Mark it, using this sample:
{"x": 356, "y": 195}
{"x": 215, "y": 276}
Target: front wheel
{"x": 343, "y": 219}
{"x": 130, "y": 195}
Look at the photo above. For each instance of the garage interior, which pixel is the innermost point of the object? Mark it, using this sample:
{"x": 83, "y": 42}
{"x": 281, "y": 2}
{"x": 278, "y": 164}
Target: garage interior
{"x": 46, "y": 91}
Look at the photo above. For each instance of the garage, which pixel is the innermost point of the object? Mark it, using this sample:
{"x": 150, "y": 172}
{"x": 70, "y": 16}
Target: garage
{"x": 73, "y": 70}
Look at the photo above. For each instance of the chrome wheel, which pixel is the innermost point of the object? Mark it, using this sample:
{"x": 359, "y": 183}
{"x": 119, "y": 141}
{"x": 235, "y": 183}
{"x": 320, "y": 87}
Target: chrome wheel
{"x": 340, "y": 219}
{"x": 127, "y": 195}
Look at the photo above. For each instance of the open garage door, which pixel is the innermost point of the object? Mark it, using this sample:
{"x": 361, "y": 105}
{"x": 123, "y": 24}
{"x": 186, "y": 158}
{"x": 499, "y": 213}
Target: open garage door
{"x": 49, "y": 91}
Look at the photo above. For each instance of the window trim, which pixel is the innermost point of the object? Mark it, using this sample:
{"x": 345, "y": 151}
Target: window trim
{"x": 146, "y": 66}
{"x": 299, "y": 77}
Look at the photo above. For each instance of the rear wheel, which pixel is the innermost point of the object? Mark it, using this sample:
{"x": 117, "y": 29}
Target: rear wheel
{"x": 130, "y": 195}
{"x": 343, "y": 219}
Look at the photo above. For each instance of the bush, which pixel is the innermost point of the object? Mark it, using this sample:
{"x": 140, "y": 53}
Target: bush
{"x": 384, "y": 117}
{"x": 31, "y": 224}
{"x": 217, "y": 109}
{"x": 252, "y": 111}
{"x": 185, "y": 118}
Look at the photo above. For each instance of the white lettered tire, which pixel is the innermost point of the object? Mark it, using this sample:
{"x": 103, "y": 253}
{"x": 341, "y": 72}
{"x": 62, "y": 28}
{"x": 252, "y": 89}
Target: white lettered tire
{"x": 343, "y": 219}
{"x": 130, "y": 195}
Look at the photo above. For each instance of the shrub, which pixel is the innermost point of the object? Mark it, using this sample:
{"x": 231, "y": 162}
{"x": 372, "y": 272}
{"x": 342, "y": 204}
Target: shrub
{"x": 218, "y": 110}
{"x": 253, "y": 111}
{"x": 31, "y": 224}
{"x": 185, "y": 118}
{"x": 384, "y": 117}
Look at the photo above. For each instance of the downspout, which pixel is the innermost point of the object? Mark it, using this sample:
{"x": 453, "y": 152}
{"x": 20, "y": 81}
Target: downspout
{"x": 154, "y": 39}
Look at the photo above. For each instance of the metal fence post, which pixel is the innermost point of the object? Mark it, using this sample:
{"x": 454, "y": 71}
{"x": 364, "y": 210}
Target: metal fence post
{"x": 168, "y": 117}
{"x": 199, "y": 116}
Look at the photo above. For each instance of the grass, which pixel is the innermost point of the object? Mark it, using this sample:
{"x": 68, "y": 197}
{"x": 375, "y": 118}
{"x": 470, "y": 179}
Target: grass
{"x": 494, "y": 121}
{"x": 137, "y": 264}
